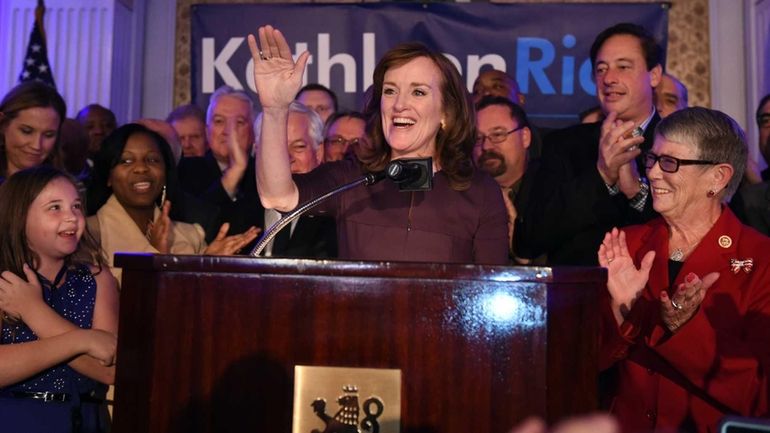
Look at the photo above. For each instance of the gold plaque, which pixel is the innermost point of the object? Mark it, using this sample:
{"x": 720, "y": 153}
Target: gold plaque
{"x": 346, "y": 400}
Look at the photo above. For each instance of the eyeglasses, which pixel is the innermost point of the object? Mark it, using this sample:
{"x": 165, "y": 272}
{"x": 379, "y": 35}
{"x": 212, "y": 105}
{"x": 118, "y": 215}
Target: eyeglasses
{"x": 340, "y": 141}
{"x": 669, "y": 164}
{"x": 496, "y": 137}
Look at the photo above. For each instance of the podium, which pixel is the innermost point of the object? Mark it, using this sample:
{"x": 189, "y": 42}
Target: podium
{"x": 209, "y": 344}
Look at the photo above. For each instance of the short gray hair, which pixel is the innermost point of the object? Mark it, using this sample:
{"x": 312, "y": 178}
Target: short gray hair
{"x": 715, "y": 135}
{"x": 315, "y": 124}
{"x": 229, "y": 91}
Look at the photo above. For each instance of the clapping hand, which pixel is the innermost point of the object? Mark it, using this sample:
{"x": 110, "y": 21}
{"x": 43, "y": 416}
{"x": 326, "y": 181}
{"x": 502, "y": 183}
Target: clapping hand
{"x": 624, "y": 281}
{"x": 276, "y": 75}
{"x": 158, "y": 230}
{"x": 18, "y": 294}
{"x": 617, "y": 147}
{"x": 224, "y": 245}
{"x": 677, "y": 309}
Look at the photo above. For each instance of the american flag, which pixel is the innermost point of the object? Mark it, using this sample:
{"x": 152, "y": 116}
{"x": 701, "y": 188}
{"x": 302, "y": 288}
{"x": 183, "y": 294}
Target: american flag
{"x": 36, "y": 66}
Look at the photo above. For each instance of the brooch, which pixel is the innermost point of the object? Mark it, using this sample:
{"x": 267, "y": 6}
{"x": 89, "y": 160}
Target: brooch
{"x": 738, "y": 265}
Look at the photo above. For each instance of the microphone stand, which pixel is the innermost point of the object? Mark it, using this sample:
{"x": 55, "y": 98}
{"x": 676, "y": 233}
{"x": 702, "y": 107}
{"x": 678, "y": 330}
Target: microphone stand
{"x": 367, "y": 179}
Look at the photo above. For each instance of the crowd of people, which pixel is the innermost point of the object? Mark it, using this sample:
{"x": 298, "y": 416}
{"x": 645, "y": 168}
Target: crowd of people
{"x": 659, "y": 194}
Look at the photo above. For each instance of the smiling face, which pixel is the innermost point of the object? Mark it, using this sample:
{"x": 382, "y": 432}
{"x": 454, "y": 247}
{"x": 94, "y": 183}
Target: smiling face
{"x": 55, "y": 221}
{"x": 682, "y": 194}
{"x": 623, "y": 83}
{"x": 302, "y": 150}
{"x": 412, "y": 108}
{"x": 138, "y": 178}
{"x": 30, "y": 138}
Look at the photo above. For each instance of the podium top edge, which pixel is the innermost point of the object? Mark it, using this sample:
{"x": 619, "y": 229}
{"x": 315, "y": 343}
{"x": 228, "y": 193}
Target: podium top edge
{"x": 374, "y": 269}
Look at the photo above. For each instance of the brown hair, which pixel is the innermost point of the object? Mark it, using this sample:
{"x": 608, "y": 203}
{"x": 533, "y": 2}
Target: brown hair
{"x": 454, "y": 141}
{"x": 31, "y": 94}
{"x": 17, "y": 194}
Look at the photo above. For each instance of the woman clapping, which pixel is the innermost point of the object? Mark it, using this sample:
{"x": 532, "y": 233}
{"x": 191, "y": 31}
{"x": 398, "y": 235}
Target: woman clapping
{"x": 687, "y": 323}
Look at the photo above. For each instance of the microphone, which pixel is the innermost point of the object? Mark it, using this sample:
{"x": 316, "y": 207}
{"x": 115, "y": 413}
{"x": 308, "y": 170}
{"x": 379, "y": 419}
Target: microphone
{"x": 412, "y": 174}
{"x": 267, "y": 236}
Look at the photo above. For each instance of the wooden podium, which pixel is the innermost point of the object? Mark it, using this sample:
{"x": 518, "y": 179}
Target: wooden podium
{"x": 209, "y": 344}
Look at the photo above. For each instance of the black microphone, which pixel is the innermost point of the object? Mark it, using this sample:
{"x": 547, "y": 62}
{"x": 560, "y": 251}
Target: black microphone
{"x": 413, "y": 174}
{"x": 401, "y": 171}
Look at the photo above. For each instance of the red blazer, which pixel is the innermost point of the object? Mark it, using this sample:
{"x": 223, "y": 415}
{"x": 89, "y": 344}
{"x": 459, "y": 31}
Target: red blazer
{"x": 717, "y": 363}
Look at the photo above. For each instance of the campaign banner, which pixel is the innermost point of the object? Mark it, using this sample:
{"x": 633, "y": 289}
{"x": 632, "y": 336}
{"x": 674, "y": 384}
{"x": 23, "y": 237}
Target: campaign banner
{"x": 544, "y": 47}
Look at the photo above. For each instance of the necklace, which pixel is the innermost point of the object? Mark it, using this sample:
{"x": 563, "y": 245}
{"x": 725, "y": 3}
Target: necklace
{"x": 677, "y": 255}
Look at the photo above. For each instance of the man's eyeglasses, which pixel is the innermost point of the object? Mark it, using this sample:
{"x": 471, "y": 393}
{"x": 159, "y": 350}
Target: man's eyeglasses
{"x": 669, "y": 164}
{"x": 496, "y": 137}
{"x": 340, "y": 141}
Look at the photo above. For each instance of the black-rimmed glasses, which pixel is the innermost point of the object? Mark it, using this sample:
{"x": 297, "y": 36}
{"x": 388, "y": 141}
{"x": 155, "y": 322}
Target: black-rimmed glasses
{"x": 496, "y": 137}
{"x": 669, "y": 164}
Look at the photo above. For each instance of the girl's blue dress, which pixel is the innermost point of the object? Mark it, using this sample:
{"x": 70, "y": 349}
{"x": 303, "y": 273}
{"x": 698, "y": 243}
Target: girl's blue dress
{"x": 83, "y": 410}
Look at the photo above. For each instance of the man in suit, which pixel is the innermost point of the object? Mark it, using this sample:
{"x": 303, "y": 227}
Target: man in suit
{"x": 591, "y": 176}
{"x": 309, "y": 236}
{"x": 752, "y": 202}
{"x": 224, "y": 176}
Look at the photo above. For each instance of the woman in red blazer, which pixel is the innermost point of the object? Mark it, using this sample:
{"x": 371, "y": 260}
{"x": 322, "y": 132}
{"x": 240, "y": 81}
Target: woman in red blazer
{"x": 686, "y": 329}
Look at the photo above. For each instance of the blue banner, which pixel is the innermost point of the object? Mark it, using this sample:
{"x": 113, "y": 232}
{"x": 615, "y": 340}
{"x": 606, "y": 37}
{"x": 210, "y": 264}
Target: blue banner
{"x": 545, "y": 47}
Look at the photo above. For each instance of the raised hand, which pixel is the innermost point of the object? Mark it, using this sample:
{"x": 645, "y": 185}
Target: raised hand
{"x": 18, "y": 295}
{"x": 624, "y": 281}
{"x": 158, "y": 230}
{"x": 677, "y": 309}
{"x": 277, "y": 77}
{"x": 617, "y": 147}
{"x": 238, "y": 159}
{"x": 224, "y": 245}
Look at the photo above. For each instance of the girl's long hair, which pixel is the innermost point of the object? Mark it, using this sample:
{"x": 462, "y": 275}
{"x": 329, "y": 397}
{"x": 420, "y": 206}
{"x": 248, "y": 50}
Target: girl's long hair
{"x": 16, "y": 195}
{"x": 31, "y": 94}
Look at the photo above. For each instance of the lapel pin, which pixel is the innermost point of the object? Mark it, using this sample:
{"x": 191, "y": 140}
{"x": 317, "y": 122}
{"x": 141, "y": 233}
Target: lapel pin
{"x": 725, "y": 241}
{"x": 738, "y": 265}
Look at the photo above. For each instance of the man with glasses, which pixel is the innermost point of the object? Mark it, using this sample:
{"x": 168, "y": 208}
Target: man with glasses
{"x": 591, "y": 176}
{"x": 502, "y": 139}
{"x": 345, "y": 132}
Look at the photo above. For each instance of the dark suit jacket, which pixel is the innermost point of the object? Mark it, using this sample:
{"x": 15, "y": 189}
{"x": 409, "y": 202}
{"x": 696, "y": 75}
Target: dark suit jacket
{"x": 751, "y": 205}
{"x": 568, "y": 208}
{"x": 313, "y": 237}
{"x": 201, "y": 177}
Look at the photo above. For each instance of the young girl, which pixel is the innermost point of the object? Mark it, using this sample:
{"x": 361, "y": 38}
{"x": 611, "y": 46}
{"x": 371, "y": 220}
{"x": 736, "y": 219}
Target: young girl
{"x": 59, "y": 306}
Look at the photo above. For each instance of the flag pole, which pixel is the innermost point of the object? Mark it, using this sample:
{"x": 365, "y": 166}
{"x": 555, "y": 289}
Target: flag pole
{"x": 39, "y": 14}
